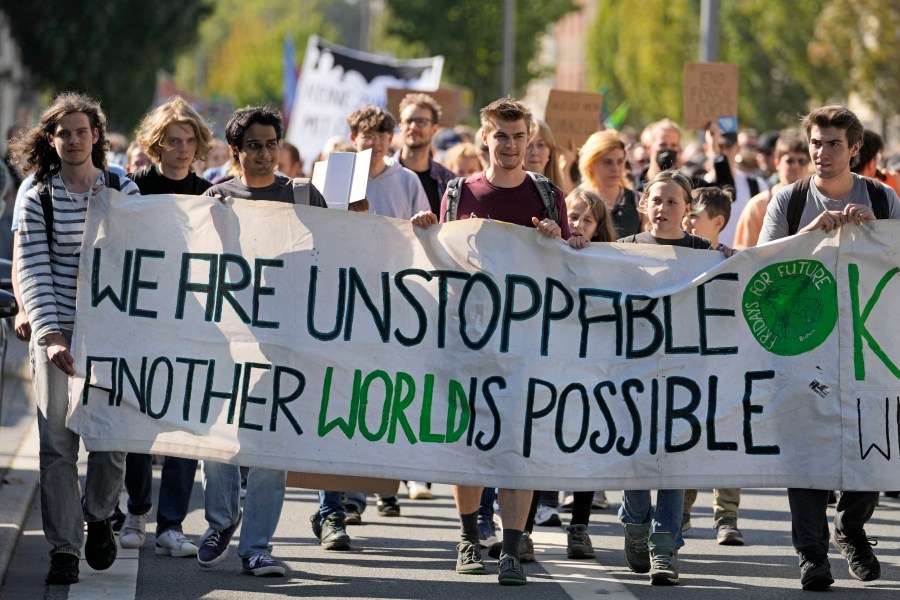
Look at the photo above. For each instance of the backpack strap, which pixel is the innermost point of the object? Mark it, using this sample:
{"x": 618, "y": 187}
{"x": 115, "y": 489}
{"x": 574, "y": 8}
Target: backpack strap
{"x": 796, "y": 204}
{"x": 453, "y": 192}
{"x": 546, "y": 189}
{"x": 878, "y": 199}
{"x": 301, "y": 190}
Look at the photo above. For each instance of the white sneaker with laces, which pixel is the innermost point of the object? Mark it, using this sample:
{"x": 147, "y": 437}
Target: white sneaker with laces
{"x": 133, "y": 531}
{"x": 173, "y": 542}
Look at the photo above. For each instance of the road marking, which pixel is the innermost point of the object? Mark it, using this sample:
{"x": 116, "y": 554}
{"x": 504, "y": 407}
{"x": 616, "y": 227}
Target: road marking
{"x": 579, "y": 579}
{"x": 119, "y": 582}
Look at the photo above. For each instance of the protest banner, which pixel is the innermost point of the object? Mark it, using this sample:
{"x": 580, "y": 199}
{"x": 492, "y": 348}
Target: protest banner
{"x": 479, "y": 352}
{"x": 711, "y": 96}
{"x": 335, "y": 81}
{"x": 573, "y": 116}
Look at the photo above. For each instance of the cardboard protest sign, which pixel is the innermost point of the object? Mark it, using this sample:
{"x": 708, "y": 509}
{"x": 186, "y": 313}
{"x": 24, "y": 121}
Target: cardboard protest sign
{"x": 573, "y": 116}
{"x": 480, "y": 352}
{"x": 335, "y": 81}
{"x": 710, "y": 95}
{"x": 448, "y": 98}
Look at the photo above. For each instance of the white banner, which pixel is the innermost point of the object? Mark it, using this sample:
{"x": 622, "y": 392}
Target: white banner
{"x": 479, "y": 352}
{"x": 336, "y": 81}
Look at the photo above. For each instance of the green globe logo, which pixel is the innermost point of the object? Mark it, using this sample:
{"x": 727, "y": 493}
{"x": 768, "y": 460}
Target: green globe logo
{"x": 791, "y": 307}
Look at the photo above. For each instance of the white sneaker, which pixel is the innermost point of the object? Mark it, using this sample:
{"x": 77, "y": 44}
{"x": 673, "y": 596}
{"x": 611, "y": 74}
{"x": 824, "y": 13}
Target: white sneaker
{"x": 418, "y": 490}
{"x": 546, "y": 516}
{"x": 173, "y": 542}
{"x": 568, "y": 502}
{"x": 133, "y": 531}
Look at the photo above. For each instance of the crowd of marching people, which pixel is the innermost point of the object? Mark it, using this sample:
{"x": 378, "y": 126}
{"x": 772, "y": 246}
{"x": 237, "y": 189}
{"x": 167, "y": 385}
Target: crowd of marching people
{"x": 725, "y": 193}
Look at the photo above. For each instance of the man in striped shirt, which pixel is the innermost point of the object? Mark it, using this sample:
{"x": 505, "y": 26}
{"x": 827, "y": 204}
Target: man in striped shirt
{"x": 66, "y": 154}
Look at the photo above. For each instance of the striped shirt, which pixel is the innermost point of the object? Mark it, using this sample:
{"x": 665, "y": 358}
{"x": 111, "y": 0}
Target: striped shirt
{"x": 48, "y": 273}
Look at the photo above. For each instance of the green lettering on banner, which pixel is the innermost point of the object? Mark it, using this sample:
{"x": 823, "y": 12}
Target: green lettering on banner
{"x": 860, "y": 332}
{"x": 791, "y": 307}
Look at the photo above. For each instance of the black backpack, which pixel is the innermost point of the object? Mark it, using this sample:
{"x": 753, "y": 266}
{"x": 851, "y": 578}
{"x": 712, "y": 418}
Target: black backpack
{"x": 545, "y": 187}
{"x": 877, "y": 196}
{"x": 45, "y": 193}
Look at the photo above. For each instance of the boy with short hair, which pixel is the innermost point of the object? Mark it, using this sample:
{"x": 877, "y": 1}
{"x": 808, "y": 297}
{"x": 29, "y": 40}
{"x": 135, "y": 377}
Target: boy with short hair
{"x": 710, "y": 211}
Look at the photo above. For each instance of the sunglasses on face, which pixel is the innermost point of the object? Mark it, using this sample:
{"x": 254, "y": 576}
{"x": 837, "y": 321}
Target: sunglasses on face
{"x": 796, "y": 161}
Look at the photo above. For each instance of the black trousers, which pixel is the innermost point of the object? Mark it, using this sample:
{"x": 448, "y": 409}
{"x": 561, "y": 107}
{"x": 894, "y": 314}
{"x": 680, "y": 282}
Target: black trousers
{"x": 809, "y": 524}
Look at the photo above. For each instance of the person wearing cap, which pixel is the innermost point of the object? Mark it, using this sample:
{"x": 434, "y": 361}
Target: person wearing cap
{"x": 420, "y": 116}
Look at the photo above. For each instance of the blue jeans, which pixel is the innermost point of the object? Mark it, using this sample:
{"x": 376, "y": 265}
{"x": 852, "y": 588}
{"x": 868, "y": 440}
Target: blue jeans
{"x": 62, "y": 514}
{"x": 357, "y": 499}
{"x": 330, "y": 503}
{"x": 486, "y": 508}
{"x": 637, "y": 510}
{"x": 175, "y": 487}
{"x": 262, "y": 506}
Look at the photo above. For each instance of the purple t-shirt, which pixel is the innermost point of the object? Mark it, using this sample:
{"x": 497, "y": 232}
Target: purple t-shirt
{"x": 481, "y": 199}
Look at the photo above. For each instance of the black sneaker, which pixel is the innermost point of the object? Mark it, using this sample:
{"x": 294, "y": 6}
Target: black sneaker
{"x": 510, "y": 571}
{"x": 351, "y": 515}
{"x": 100, "y": 547}
{"x": 862, "y": 563}
{"x": 526, "y": 549}
{"x": 63, "y": 569}
{"x": 815, "y": 574}
{"x": 388, "y": 507}
{"x": 332, "y": 534}
{"x": 468, "y": 559}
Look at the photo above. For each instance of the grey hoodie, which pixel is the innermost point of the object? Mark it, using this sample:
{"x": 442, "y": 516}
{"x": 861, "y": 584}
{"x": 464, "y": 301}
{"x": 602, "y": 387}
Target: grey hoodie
{"x": 396, "y": 192}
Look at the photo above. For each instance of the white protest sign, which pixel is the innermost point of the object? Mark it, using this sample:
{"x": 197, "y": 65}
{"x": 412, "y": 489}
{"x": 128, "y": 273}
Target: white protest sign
{"x": 336, "y": 81}
{"x": 480, "y": 352}
{"x": 343, "y": 177}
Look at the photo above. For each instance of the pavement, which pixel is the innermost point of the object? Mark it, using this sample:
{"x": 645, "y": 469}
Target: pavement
{"x": 19, "y": 478}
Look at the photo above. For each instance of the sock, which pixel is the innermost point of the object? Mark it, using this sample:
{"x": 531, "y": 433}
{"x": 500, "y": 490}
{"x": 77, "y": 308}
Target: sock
{"x": 469, "y": 527}
{"x": 511, "y": 540}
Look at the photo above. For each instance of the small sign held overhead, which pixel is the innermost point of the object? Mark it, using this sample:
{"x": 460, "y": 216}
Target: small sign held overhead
{"x": 343, "y": 178}
{"x": 711, "y": 95}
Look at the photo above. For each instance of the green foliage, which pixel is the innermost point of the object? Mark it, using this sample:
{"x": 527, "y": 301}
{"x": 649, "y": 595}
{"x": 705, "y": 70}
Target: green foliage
{"x": 469, "y": 34}
{"x": 791, "y": 54}
{"x": 111, "y": 50}
{"x": 861, "y": 40}
{"x": 639, "y": 56}
{"x": 239, "y": 55}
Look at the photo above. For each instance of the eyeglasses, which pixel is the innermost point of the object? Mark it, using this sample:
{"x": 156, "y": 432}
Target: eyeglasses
{"x": 796, "y": 161}
{"x": 421, "y": 122}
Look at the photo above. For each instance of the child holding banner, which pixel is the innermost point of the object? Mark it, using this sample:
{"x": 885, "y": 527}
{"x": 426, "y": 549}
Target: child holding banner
{"x": 653, "y": 536}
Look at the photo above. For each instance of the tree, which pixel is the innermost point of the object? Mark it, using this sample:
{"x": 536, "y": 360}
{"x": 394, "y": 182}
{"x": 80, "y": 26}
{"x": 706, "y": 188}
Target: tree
{"x": 641, "y": 60}
{"x": 861, "y": 42}
{"x": 240, "y": 48}
{"x": 468, "y": 33}
{"x": 110, "y": 50}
